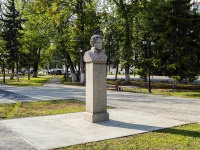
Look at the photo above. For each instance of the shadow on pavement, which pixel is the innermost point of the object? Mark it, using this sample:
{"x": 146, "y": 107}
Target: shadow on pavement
{"x": 120, "y": 124}
{"x": 13, "y": 96}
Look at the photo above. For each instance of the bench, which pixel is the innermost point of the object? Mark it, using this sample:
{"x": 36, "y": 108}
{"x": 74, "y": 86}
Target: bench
{"x": 137, "y": 89}
{"x": 121, "y": 87}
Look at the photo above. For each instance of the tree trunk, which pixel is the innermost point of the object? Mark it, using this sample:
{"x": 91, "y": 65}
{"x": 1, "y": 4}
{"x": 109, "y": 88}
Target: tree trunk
{"x": 82, "y": 78}
{"x": 28, "y": 69}
{"x": 17, "y": 69}
{"x": 75, "y": 77}
{"x": 36, "y": 61}
{"x": 117, "y": 69}
{"x": 127, "y": 74}
{"x": 67, "y": 67}
{"x": 12, "y": 73}
{"x": 35, "y": 70}
{"x": 81, "y": 27}
{"x": 128, "y": 50}
{"x": 71, "y": 66}
{"x": 35, "y": 74}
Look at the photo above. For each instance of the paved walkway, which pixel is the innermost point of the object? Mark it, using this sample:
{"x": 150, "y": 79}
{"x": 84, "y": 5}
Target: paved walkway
{"x": 134, "y": 113}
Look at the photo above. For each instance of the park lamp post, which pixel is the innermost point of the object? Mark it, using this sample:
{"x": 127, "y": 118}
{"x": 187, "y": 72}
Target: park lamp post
{"x": 82, "y": 66}
{"x": 148, "y": 47}
{"x": 3, "y": 65}
{"x": 81, "y": 57}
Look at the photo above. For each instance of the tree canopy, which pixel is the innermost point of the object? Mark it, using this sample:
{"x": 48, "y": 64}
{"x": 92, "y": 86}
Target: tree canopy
{"x": 11, "y": 26}
{"x": 55, "y": 30}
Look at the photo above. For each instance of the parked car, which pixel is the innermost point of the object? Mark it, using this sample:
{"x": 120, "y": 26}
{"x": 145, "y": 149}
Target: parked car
{"x": 58, "y": 72}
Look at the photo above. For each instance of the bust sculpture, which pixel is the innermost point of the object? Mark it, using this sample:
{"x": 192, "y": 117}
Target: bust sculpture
{"x": 95, "y": 54}
{"x": 96, "y": 87}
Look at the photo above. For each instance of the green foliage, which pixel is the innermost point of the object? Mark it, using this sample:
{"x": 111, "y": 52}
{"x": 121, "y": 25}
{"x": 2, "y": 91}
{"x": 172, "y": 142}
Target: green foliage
{"x": 121, "y": 34}
{"x": 55, "y": 30}
{"x": 71, "y": 24}
{"x": 2, "y": 43}
{"x": 174, "y": 26}
{"x": 36, "y": 38}
{"x": 11, "y": 27}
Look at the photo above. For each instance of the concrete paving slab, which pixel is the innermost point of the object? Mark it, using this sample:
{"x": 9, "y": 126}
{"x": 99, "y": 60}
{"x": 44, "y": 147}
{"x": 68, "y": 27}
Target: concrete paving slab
{"x": 69, "y": 129}
{"x": 10, "y": 140}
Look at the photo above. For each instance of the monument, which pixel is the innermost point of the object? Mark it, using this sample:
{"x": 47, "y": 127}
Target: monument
{"x": 96, "y": 91}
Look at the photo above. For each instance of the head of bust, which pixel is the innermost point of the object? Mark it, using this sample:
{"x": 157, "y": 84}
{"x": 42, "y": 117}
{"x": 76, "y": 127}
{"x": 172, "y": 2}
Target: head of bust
{"x": 97, "y": 42}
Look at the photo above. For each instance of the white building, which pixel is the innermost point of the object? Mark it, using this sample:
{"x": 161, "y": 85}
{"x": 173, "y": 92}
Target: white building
{"x": 196, "y": 7}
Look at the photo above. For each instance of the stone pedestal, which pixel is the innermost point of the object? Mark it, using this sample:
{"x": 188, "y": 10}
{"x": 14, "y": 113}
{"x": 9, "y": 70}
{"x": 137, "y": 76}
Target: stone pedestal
{"x": 96, "y": 91}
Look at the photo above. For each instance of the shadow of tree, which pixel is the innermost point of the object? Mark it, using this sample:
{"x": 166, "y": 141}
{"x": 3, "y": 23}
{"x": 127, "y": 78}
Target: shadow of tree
{"x": 14, "y": 96}
{"x": 193, "y": 94}
{"x": 183, "y": 132}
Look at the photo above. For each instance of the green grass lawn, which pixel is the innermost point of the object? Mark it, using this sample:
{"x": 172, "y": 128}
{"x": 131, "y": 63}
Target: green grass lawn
{"x": 23, "y": 81}
{"x": 158, "y": 88}
{"x": 185, "y": 137}
{"x": 69, "y": 81}
{"x": 42, "y": 108}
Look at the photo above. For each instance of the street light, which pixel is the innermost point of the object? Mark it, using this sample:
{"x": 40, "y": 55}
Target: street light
{"x": 3, "y": 66}
{"x": 82, "y": 67}
{"x": 148, "y": 47}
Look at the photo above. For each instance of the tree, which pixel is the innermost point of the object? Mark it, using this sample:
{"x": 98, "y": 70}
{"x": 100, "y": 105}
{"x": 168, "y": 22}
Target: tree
{"x": 2, "y": 43}
{"x": 125, "y": 12}
{"x": 12, "y": 25}
{"x": 58, "y": 14}
{"x": 112, "y": 40}
{"x": 35, "y": 39}
{"x": 72, "y": 24}
{"x": 174, "y": 26}
{"x": 85, "y": 25}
